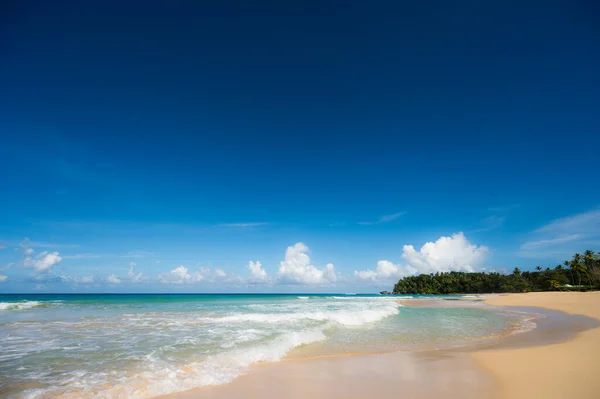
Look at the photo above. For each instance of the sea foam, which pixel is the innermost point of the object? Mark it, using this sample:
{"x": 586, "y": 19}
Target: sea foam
{"x": 25, "y": 305}
{"x": 182, "y": 350}
{"x": 145, "y": 348}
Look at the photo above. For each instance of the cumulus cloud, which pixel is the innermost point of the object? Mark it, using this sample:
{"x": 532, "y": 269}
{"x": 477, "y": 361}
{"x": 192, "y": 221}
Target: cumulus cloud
{"x": 113, "y": 279}
{"x": 85, "y": 279}
{"x": 385, "y": 270}
{"x": 329, "y": 272}
{"x": 135, "y": 278}
{"x": 43, "y": 261}
{"x": 446, "y": 254}
{"x": 297, "y": 269}
{"x": 220, "y": 273}
{"x": 180, "y": 275}
{"x": 259, "y": 275}
{"x": 3, "y": 278}
{"x": 25, "y": 247}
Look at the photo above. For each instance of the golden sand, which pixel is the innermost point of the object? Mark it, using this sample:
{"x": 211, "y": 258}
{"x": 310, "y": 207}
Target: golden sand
{"x": 565, "y": 370}
{"x": 399, "y": 375}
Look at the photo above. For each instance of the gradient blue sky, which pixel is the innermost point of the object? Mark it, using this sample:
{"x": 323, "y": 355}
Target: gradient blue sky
{"x": 209, "y": 135}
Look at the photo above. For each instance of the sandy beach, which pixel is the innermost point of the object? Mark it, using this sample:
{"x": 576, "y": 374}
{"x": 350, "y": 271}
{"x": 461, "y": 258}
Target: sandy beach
{"x": 559, "y": 370}
{"x": 563, "y": 370}
{"x": 416, "y": 375}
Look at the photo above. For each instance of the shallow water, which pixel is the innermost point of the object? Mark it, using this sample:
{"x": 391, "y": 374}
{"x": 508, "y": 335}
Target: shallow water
{"x": 141, "y": 346}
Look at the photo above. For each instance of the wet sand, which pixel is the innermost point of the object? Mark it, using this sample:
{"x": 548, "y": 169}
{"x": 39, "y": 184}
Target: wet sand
{"x": 510, "y": 367}
{"x": 424, "y": 375}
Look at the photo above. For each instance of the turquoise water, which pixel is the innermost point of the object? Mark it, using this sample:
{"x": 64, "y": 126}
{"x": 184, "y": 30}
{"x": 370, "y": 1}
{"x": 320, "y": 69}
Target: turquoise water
{"x": 141, "y": 346}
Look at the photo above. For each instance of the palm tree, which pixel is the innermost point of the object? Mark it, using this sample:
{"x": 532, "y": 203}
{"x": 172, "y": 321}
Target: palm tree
{"x": 568, "y": 266}
{"x": 538, "y": 268}
{"x": 517, "y": 271}
{"x": 577, "y": 266}
{"x": 590, "y": 258}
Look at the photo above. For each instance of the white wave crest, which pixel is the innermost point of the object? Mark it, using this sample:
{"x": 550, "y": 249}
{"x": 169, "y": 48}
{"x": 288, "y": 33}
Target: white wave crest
{"x": 236, "y": 337}
{"x": 346, "y": 318}
{"x": 219, "y": 369}
{"x": 22, "y": 305}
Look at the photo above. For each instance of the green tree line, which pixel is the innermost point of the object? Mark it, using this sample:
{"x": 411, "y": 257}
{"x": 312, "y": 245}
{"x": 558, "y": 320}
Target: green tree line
{"x": 581, "y": 273}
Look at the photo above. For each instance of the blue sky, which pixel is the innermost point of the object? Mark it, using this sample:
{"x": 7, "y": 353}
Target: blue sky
{"x": 294, "y": 135}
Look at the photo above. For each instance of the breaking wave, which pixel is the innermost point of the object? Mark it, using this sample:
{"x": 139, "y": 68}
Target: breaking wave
{"x": 25, "y": 305}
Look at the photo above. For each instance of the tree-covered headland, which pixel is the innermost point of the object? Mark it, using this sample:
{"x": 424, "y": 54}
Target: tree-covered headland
{"x": 581, "y": 273}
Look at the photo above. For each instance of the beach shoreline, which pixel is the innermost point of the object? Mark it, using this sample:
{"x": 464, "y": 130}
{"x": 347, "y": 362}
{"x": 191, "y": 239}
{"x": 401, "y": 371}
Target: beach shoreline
{"x": 426, "y": 375}
{"x": 486, "y": 370}
{"x": 565, "y": 369}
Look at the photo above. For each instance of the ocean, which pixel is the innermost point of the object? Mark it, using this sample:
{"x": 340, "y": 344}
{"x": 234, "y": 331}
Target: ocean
{"x": 147, "y": 345}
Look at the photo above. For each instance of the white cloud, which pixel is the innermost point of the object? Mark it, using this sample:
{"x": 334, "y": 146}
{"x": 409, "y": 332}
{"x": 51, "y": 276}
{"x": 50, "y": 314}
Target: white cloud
{"x": 180, "y": 275}
{"x": 220, "y": 273}
{"x": 385, "y": 270}
{"x": 582, "y": 223}
{"x": 454, "y": 253}
{"x": 135, "y": 278}
{"x": 131, "y": 271}
{"x": 553, "y": 241}
{"x": 562, "y": 237}
{"x": 85, "y": 279}
{"x": 259, "y": 275}
{"x": 113, "y": 279}
{"x": 446, "y": 254}
{"x": 385, "y": 218}
{"x": 3, "y": 278}
{"x": 25, "y": 247}
{"x": 44, "y": 261}
{"x": 330, "y": 272}
{"x": 297, "y": 269}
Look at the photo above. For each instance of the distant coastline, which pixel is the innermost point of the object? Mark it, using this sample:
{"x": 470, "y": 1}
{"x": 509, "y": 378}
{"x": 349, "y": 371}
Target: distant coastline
{"x": 581, "y": 273}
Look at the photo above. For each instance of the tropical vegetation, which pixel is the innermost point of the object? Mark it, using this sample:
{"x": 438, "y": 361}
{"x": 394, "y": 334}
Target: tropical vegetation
{"x": 581, "y": 273}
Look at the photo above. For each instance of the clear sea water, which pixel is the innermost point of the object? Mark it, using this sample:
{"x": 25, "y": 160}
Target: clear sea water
{"x": 142, "y": 346}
